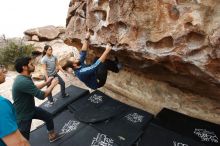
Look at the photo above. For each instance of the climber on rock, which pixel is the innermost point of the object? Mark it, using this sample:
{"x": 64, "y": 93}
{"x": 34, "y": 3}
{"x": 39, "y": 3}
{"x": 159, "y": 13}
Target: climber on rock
{"x": 94, "y": 75}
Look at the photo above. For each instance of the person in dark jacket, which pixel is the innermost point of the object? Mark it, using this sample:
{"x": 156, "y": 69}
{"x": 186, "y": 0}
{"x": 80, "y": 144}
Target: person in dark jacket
{"x": 93, "y": 75}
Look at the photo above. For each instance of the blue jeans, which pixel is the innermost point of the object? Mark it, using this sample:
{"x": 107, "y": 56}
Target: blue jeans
{"x": 25, "y": 125}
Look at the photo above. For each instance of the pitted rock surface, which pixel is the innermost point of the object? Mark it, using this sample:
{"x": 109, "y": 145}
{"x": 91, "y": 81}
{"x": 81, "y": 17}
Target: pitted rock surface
{"x": 178, "y": 38}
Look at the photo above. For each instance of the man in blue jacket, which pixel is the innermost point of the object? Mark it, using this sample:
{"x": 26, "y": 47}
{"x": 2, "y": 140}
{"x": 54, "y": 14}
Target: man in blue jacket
{"x": 93, "y": 75}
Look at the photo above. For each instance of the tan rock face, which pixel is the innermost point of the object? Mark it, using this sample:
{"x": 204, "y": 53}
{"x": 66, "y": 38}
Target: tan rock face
{"x": 137, "y": 89}
{"x": 174, "y": 41}
{"x": 177, "y": 38}
{"x": 44, "y": 33}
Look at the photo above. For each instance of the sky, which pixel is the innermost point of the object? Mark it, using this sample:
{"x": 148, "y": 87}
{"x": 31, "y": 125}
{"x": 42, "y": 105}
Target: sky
{"x": 16, "y": 16}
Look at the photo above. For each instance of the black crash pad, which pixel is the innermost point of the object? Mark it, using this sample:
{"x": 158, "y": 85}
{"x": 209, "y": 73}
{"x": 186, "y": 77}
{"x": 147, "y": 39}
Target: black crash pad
{"x": 61, "y": 103}
{"x": 89, "y": 136}
{"x": 79, "y": 103}
{"x": 155, "y": 135}
{"x": 126, "y": 127}
{"x": 63, "y": 122}
{"x": 136, "y": 117}
{"x": 199, "y": 130}
{"x": 96, "y": 107}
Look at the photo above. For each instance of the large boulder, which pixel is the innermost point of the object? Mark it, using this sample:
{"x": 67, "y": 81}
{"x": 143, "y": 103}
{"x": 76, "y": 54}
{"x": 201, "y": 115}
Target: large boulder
{"x": 45, "y": 33}
{"x": 169, "y": 50}
{"x": 179, "y": 38}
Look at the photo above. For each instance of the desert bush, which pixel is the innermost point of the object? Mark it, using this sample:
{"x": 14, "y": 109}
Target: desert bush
{"x": 12, "y": 50}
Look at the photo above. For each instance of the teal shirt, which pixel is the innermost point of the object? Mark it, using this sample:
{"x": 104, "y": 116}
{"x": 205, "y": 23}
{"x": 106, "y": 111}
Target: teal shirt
{"x": 23, "y": 93}
{"x": 8, "y": 123}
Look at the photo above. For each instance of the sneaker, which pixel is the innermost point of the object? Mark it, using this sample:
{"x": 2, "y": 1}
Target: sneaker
{"x": 56, "y": 136}
{"x": 65, "y": 95}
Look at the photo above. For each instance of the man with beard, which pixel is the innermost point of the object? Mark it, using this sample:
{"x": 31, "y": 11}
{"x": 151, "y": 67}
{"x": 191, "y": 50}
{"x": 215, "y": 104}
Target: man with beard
{"x": 23, "y": 91}
{"x": 9, "y": 133}
{"x": 94, "y": 75}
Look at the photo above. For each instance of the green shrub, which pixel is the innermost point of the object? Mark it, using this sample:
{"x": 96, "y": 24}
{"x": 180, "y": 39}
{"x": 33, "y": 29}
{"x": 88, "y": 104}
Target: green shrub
{"x": 12, "y": 50}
